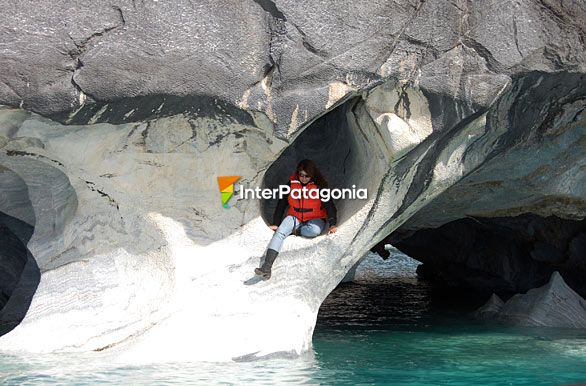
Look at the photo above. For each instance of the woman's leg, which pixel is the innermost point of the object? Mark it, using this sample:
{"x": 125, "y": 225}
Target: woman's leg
{"x": 288, "y": 225}
{"x": 313, "y": 228}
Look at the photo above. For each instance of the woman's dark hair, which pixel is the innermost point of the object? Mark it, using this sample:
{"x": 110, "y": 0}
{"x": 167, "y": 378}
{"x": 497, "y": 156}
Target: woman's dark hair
{"x": 308, "y": 166}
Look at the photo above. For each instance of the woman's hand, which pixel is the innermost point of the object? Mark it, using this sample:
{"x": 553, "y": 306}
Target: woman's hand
{"x": 273, "y": 227}
{"x": 333, "y": 229}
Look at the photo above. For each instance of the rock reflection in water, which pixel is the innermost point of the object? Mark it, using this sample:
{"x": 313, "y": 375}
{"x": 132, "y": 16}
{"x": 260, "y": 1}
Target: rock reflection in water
{"x": 384, "y": 293}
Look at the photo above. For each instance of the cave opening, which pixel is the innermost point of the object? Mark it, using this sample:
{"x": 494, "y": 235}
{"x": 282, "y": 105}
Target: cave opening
{"x": 457, "y": 270}
{"x": 388, "y": 292}
{"x": 502, "y": 255}
{"x": 19, "y": 272}
{"x": 338, "y": 146}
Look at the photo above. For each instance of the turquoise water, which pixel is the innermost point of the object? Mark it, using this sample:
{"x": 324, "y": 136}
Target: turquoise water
{"x": 453, "y": 356}
{"x": 386, "y": 329}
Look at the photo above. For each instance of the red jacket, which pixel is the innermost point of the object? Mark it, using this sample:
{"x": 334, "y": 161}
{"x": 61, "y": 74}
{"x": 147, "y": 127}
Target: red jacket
{"x": 303, "y": 207}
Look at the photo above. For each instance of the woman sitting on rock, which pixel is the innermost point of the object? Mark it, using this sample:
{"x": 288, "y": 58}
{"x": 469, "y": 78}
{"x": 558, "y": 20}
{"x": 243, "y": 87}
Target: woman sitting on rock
{"x": 306, "y": 216}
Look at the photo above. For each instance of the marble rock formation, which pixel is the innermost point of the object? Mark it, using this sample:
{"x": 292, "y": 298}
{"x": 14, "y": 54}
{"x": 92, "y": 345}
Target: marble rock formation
{"x": 553, "y": 305}
{"x": 117, "y": 117}
{"x": 490, "y": 309}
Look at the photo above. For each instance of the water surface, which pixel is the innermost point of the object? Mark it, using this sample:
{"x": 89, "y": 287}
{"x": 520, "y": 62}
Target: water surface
{"x": 384, "y": 329}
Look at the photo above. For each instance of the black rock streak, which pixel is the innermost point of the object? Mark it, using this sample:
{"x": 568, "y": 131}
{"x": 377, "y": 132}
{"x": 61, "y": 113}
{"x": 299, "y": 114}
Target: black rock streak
{"x": 270, "y": 7}
{"x": 492, "y": 64}
{"x": 149, "y": 107}
{"x": 16, "y": 153}
{"x": 92, "y": 187}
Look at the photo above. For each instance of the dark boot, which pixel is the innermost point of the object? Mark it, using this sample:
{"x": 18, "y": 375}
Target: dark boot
{"x": 265, "y": 270}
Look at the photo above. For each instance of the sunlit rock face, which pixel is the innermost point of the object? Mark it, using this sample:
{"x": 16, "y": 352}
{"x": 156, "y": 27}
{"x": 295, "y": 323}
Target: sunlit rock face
{"x": 117, "y": 119}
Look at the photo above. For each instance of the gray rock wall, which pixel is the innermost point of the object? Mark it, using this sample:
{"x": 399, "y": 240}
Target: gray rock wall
{"x": 287, "y": 59}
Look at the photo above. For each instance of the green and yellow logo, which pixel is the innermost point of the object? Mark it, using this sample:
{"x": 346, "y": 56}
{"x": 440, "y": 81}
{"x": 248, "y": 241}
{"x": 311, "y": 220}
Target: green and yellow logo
{"x": 226, "y": 184}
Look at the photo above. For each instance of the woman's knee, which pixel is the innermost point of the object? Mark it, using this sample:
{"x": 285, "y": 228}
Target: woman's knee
{"x": 282, "y": 235}
{"x": 286, "y": 227}
{"x": 310, "y": 231}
